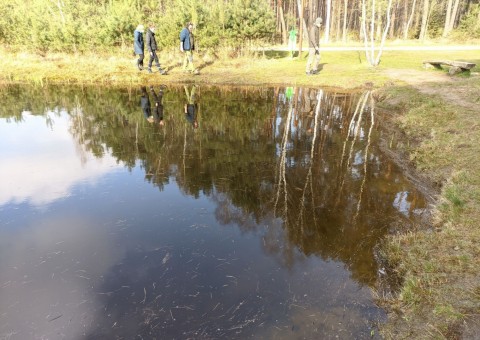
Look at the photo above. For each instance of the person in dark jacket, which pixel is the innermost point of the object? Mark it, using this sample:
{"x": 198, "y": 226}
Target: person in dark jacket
{"x": 138, "y": 45}
{"x": 152, "y": 49}
{"x": 313, "y": 47}
{"x": 187, "y": 46}
{"x": 158, "y": 108}
{"x": 145, "y": 104}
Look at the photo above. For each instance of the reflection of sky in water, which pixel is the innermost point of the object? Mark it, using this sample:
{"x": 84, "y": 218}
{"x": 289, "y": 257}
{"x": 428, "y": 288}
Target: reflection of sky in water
{"x": 113, "y": 255}
{"x": 40, "y": 163}
{"x": 401, "y": 203}
{"x": 358, "y": 158}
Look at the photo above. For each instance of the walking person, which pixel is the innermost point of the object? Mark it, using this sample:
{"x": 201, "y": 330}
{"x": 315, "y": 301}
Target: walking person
{"x": 152, "y": 49}
{"x": 190, "y": 108}
{"x": 313, "y": 47}
{"x": 158, "y": 108}
{"x": 139, "y": 45}
{"x": 145, "y": 104}
{"x": 292, "y": 40}
{"x": 187, "y": 46}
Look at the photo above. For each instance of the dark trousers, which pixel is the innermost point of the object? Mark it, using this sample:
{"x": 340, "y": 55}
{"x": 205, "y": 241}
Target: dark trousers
{"x": 158, "y": 109}
{"x": 140, "y": 60}
{"x": 153, "y": 56}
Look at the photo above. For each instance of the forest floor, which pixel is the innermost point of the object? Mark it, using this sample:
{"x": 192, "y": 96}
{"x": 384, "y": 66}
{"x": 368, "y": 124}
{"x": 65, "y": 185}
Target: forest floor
{"x": 438, "y": 115}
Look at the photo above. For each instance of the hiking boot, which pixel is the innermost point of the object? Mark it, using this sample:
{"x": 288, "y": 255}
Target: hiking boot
{"x": 149, "y": 69}
{"x": 308, "y": 73}
{"x": 139, "y": 67}
{"x": 162, "y": 71}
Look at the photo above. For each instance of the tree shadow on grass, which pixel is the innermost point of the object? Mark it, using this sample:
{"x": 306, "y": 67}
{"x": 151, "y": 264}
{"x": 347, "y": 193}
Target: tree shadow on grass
{"x": 279, "y": 54}
{"x": 179, "y": 65}
{"x": 477, "y": 65}
{"x": 276, "y": 54}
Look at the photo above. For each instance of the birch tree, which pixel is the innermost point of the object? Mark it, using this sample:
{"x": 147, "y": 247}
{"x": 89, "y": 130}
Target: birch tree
{"x": 328, "y": 19}
{"x": 369, "y": 35}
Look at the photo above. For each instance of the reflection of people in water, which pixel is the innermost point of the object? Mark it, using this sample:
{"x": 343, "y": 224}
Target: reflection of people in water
{"x": 158, "y": 108}
{"x": 145, "y": 104}
{"x": 191, "y": 107}
{"x": 309, "y": 104}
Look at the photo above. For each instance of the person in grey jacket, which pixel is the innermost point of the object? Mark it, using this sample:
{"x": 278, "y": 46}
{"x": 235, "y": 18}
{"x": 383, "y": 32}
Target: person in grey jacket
{"x": 152, "y": 49}
{"x": 139, "y": 45}
{"x": 313, "y": 47}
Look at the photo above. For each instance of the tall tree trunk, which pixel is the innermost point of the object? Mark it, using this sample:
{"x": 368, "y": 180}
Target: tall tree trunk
{"x": 344, "y": 29}
{"x": 409, "y": 21}
{"x": 364, "y": 32}
{"x": 380, "y": 50}
{"x": 338, "y": 21}
{"x": 361, "y": 30}
{"x": 453, "y": 16}
{"x": 447, "y": 18}
{"x": 282, "y": 22}
{"x": 425, "y": 12}
{"x": 327, "y": 20}
{"x": 303, "y": 27}
{"x": 417, "y": 23}
{"x": 370, "y": 50}
{"x": 372, "y": 33}
{"x": 379, "y": 23}
{"x": 391, "y": 33}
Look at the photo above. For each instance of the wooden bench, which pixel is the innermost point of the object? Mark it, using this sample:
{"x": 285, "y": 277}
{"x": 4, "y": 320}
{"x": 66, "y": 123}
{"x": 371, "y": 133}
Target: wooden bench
{"x": 455, "y": 66}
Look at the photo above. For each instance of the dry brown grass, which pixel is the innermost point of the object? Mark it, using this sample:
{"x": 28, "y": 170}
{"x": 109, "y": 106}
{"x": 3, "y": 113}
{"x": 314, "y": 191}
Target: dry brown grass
{"x": 439, "y": 263}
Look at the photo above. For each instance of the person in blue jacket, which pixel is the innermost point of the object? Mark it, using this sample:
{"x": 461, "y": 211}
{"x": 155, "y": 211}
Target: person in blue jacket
{"x": 191, "y": 107}
{"x": 139, "y": 45}
{"x": 187, "y": 46}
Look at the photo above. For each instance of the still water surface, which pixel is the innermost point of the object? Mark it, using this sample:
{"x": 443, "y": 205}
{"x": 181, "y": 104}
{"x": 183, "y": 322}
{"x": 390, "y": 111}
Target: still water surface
{"x": 247, "y": 213}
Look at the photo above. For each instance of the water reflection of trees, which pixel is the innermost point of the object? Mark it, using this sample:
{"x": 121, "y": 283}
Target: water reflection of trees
{"x": 299, "y": 162}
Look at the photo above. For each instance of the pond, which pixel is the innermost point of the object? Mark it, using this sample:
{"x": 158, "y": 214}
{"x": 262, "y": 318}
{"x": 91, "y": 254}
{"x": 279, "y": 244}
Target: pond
{"x": 193, "y": 212}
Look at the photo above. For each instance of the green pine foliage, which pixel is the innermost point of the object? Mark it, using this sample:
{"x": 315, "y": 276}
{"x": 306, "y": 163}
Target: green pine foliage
{"x": 249, "y": 21}
{"x": 100, "y": 25}
{"x": 470, "y": 25}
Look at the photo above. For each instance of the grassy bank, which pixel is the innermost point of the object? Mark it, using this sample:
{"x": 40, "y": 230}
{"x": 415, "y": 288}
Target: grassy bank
{"x": 439, "y": 262}
{"x": 347, "y": 69}
{"x": 439, "y": 118}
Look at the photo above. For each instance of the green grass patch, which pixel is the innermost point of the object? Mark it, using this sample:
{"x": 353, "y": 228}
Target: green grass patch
{"x": 344, "y": 69}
